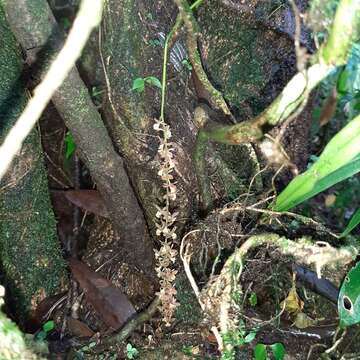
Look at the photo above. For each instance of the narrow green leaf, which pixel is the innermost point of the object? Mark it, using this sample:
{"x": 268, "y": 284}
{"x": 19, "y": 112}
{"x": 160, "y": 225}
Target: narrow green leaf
{"x": 70, "y": 146}
{"x": 138, "y": 85}
{"x": 260, "y": 352}
{"x": 153, "y": 81}
{"x": 278, "y": 351}
{"x": 353, "y": 223}
{"x": 339, "y": 160}
{"x": 349, "y": 298}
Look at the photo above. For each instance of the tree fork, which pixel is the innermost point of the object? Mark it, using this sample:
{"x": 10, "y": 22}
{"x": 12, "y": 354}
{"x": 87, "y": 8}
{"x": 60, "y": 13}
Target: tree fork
{"x": 36, "y": 29}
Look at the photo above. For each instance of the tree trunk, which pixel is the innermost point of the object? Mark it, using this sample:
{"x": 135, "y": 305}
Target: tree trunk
{"x": 31, "y": 263}
{"x": 36, "y": 29}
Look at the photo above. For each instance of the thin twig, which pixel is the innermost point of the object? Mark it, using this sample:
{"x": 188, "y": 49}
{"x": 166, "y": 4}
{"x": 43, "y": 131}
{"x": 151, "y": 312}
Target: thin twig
{"x": 185, "y": 257}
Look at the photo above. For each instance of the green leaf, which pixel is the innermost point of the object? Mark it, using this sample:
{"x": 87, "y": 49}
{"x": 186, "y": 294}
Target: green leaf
{"x": 260, "y": 352}
{"x": 342, "y": 82}
{"x": 153, "y": 81}
{"x": 253, "y": 299}
{"x": 278, "y": 351}
{"x": 349, "y": 298}
{"x": 138, "y": 85}
{"x": 70, "y": 146}
{"x": 40, "y": 336}
{"x": 250, "y": 337}
{"x": 131, "y": 351}
{"x": 339, "y": 160}
{"x": 48, "y": 326}
{"x": 353, "y": 223}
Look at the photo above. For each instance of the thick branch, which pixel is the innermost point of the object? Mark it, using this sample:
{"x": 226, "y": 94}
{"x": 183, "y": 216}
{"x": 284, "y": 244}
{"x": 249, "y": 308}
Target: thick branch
{"x": 132, "y": 325}
{"x": 35, "y": 28}
{"x": 303, "y": 250}
{"x": 291, "y": 99}
{"x": 216, "y": 97}
{"x": 88, "y": 18}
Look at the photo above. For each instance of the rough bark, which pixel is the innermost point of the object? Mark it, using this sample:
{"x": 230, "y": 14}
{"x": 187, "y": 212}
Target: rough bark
{"x": 128, "y": 55}
{"x": 31, "y": 264}
{"x": 36, "y": 29}
{"x": 244, "y": 64}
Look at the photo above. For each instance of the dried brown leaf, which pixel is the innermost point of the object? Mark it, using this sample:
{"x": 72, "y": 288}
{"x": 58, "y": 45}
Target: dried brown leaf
{"x": 89, "y": 200}
{"x": 109, "y": 302}
{"x": 78, "y": 328}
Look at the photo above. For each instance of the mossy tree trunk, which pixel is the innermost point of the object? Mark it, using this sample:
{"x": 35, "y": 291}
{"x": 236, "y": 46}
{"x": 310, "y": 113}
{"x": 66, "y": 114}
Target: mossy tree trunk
{"x": 41, "y": 38}
{"x": 31, "y": 264}
{"x": 249, "y": 61}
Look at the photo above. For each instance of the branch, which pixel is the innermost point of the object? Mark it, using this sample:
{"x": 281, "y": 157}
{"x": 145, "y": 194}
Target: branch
{"x": 36, "y": 30}
{"x": 134, "y": 323}
{"x": 88, "y": 18}
{"x": 186, "y": 14}
{"x": 290, "y": 101}
{"x": 218, "y": 297}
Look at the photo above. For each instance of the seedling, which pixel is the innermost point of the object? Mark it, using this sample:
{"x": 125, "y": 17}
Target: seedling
{"x": 277, "y": 349}
{"x": 139, "y": 83}
{"x": 131, "y": 352}
{"x": 46, "y": 329}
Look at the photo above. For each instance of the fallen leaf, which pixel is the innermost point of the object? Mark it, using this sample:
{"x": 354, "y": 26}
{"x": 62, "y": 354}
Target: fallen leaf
{"x": 303, "y": 321}
{"x": 88, "y": 200}
{"x": 293, "y": 304}
{"x": 330, "y": 200}
{"x": 109, "y": 302}
{"x": 329, "y": 108}
{"x": 78, "y": 328}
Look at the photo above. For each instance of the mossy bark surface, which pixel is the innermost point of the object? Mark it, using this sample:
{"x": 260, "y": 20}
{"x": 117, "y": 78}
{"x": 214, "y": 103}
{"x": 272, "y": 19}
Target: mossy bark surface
{"x": 128, "y": 49}
{"x": 31, "y": 263}
{"x": 36, "y": 29}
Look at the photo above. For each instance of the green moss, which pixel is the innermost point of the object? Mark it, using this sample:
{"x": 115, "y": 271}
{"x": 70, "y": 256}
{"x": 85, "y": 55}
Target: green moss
{"x": 241, "y": 56}
{"x": 30, "y": 256}
{"x": 126, "y": 48}
{"x": 189, "y": 310}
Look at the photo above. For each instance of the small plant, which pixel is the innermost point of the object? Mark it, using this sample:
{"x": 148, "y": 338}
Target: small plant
{"x": 131, "y": 352}
{"x": 253, "y": 299}
{"x": 155, "y": 42}
{"x": 187, "y": 64}
{"x": 139, "y": 83}
{"x": 236, "y": 339}
{"x": 46, "y": 329}
{"x": 277, "y": 349}
{"x": 70, "y": 146}
{"x": 80, "y": 354}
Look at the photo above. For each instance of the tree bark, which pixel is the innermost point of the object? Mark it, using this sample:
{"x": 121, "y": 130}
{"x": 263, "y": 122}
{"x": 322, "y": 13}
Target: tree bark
{"x": 31, "y": 264}
{"x": 37, "y": 31}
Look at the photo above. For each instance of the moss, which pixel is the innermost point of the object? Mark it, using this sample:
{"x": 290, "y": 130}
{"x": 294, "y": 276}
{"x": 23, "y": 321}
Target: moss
{"x": 241, "y": 56}
{"x": 189, "y": 310}
{"x": 125, "y": 45}
{"x": 30, "y": 255}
